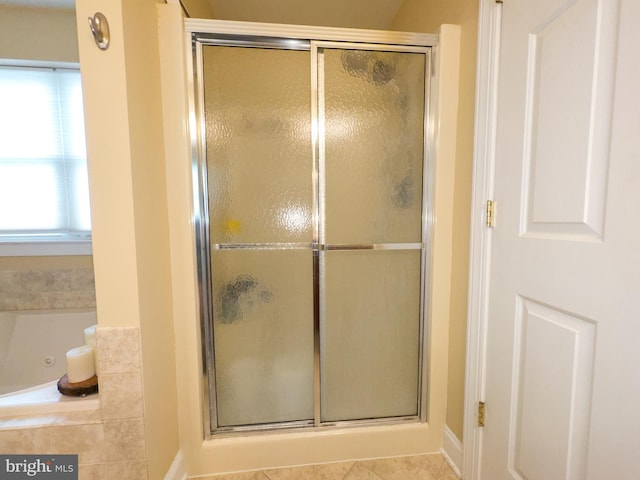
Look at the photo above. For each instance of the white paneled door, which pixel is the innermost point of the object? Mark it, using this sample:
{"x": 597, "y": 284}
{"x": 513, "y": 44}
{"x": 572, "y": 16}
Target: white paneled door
{"x": 563, "y": 325}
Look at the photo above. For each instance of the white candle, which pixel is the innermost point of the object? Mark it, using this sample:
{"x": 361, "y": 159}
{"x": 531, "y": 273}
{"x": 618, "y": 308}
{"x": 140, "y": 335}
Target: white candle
{"x": 90, "y": 336}
{"x": 80, "y": 364}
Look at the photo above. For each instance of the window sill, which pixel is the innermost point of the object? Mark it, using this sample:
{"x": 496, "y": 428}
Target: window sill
{"x": 45, "y": 248}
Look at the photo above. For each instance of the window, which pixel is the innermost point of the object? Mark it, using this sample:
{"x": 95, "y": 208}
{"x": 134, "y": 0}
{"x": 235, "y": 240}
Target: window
{"x": 44, "y": 193}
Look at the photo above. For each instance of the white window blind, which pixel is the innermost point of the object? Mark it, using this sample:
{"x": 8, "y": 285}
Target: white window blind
{"x": 44, "y": 193}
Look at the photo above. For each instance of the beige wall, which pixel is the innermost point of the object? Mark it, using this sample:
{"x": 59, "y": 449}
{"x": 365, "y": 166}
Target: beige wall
{"x": 38, "y": 34}
{"x": 123, "y": 116}
{"x": 106, "y": 112}
{"x": 152, "y": 234}
{"x": 426, "y": 16}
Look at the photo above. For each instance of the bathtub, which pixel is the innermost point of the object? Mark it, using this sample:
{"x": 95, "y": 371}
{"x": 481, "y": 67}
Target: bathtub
{"x": 33, "y": 345}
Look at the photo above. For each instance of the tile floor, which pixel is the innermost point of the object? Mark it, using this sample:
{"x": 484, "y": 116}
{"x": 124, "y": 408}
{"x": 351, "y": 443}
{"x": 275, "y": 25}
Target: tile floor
{"x": 419, "y": 467}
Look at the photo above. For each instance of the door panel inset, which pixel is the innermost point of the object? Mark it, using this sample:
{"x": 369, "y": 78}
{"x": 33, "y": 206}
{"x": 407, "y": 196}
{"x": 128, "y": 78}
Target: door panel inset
{"x": 555, "y": 355}
{"x": 567, "y": 127}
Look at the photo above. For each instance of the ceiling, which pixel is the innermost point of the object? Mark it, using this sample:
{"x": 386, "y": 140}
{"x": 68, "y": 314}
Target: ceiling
{"x": 372, "y": 14}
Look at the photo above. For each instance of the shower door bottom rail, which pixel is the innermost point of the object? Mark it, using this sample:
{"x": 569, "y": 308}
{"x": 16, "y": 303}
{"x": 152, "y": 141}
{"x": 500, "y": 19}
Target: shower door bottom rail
{"x": 306, "y": 425}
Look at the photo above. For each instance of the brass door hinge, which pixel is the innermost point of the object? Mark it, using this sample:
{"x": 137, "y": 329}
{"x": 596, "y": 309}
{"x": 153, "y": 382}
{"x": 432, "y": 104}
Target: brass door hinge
{"x": 491, "y": 213}
{"x": 481, "y": 412}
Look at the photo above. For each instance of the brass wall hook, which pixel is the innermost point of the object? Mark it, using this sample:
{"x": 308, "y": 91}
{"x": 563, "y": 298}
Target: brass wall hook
{"x": 100, "y": 29}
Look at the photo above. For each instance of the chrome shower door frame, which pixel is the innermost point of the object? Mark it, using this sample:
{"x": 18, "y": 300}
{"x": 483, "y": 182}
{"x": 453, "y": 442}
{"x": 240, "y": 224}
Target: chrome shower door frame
{"x": 204, "y": 33}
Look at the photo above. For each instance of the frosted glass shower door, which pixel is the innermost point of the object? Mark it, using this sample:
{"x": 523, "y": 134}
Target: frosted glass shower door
{"x": 372, "y": 107}
{"x": 259, "y": 182}
{"x": 312, "y": 240}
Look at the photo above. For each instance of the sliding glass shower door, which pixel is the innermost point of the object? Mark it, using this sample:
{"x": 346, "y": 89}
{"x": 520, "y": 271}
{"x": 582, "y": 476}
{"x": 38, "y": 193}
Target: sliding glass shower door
{"x": 259, "y": 164}
{"x": 310, "y": 212}
{"x": 372, "y": 108}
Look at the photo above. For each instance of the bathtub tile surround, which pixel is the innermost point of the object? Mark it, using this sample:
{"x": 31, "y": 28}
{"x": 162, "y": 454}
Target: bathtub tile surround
{"x": 126, "y": 470}
{"x": 31, "y": 441}
{"x": 94, "y": 471}
{"x": 417, "y": 467}
{"x": 118, "y": 350}
{"x": 87, "y": 441}
{"x": 124, "y": 440}
{"x": 121, "y": 389}
{"x": 110, "y": 440}
{"x": 119, "y": 370}
{"x": 47, "y": 289}
{"x": 121, "y": 396}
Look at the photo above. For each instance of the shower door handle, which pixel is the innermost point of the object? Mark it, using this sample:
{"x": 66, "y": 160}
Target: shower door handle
{"x": 369, "y": 246}
{"x": 323, "y": 247}
{"x": 350, "y": 246}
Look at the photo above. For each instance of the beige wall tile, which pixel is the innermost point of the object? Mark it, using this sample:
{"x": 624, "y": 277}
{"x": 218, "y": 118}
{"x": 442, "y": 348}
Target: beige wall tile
{"x": 41, "y": 288}
{"x": 127, "y": 470}
{"x": 26, "y": 441}
{"x": 121, "y": 396}
{"x": 118, "y": 350}
{"x": 124, "y": 440}
{"x": 96, "y": 471}
{"x": 87, "y": 441}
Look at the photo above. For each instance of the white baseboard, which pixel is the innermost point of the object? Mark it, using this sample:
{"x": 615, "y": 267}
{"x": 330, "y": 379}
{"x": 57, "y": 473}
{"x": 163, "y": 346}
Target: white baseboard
{"x": 177, "y": 471}
{"x": 452, "y": 451}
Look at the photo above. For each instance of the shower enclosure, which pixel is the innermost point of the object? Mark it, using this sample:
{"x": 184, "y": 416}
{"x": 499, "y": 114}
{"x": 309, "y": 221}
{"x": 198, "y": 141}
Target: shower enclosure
{"x": 312, "y": 224}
